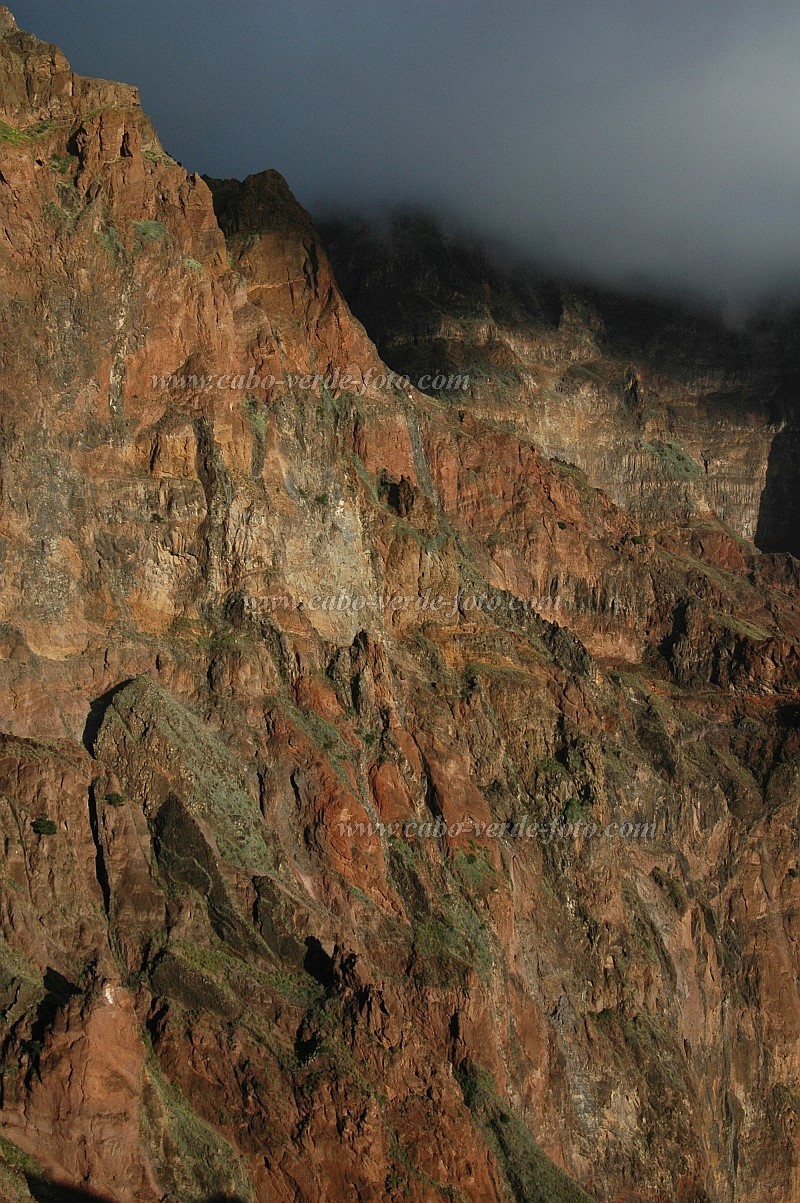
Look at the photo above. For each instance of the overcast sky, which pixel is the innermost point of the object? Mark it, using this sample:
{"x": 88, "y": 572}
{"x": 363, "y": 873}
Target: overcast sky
{"x": 634, "y": 140}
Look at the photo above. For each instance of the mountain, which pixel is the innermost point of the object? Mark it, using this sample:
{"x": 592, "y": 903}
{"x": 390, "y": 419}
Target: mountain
{"x": 399, "y": 781}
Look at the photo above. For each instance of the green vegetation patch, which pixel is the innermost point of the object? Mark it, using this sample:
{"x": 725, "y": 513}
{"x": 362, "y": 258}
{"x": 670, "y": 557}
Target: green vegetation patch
{"x": 674, "y": 889}
{"x": 426, "y": 541}
{"x": 154, "y": 154}
{"x": 550, "y": 767}
{"x": 577, "y": 810}
{"x": 63, "y": 164}
{"x": 16, "y": 1170}
{"x": 110, "y": 241}
{"x": 322, "y": 733}
{"x": 675, "y": 460}
{"x": 256, "y": 415}
{"x": 530, "y": 1174}
{"x": 742, "y": 626}
{"x": 144, "y": 718}
{"x": 475, "y": 870}
{"x": 195, "y": 1162}
{"x": 298, "y": 987}
{"x": 149, "y": 231}
{"x": 448, "y": 944}
{"x": 31, "y": 133}
{"x": 566, "y": 468}
{"x": 44, "y": 826}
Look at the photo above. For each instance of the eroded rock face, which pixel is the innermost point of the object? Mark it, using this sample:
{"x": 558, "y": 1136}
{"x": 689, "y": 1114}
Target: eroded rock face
{"x": 668, "y": 411}
{"x": 218, "y": 974}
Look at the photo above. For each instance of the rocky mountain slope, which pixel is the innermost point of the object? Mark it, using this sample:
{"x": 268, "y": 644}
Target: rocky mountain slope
{"x": 670, "y": 412}
{"x": 220, "y": 977}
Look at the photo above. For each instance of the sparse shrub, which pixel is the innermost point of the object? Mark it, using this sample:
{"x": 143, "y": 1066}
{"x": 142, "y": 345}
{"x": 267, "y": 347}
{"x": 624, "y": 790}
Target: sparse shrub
{"x": 576, "y": 810}
{"x": 10, "y": 133}
{"x": 676, "y": 461}
{"x": 153, "y": 154}
{"x": 528, "y": 1171}
{"x": 551, "y": 767}
{"x": 44, "y": 826}
{"x": 256, "y": 415}
{"x": 474, "y": 869}
{"x": 62, "y": 164}
{"x": 149, "y": 231}
{"x": 54, "y": 212}
{"x": 675, "y": 890}
{"x": 110, "y": 241}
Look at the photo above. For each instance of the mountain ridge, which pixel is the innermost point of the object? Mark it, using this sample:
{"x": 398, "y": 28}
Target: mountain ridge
{"x": 232, "y": 962}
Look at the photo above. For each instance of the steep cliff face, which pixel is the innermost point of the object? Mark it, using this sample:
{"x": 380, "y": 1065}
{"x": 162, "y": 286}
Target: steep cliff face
{"x": 669, "y": 412}
{"x": 314, "y": 693}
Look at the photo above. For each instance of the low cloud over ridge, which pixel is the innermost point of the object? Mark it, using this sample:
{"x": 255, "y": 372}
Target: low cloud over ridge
{"x": 646, "y": 143}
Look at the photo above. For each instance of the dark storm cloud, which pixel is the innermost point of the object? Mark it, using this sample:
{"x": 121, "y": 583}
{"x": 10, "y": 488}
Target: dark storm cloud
{"x": 654, "y": 141}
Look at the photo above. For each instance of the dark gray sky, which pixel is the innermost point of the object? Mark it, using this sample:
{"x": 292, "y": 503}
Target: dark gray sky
{"x": 635, "y": 140}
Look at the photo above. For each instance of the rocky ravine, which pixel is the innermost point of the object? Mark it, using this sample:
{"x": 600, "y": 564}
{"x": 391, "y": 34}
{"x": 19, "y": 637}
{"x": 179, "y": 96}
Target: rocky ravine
{"x": 207, "y": 986}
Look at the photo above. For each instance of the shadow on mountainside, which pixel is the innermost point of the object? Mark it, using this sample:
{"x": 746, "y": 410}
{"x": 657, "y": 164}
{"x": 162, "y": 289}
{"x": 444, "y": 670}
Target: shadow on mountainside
{"x": 44, "y": 1191}
{"x": 778, "y": 527}
{"x": 96, "y": 713}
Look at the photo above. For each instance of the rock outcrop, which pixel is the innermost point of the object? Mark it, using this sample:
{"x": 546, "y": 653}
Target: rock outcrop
{"x": 399, "y": 791}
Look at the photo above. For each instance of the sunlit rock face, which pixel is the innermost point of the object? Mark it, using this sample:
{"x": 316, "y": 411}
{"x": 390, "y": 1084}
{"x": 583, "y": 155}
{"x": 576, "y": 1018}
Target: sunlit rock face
{"x": 398, "y": 786}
